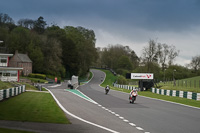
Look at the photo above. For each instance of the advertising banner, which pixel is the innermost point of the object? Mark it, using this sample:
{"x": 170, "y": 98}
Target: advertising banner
{"x": 141, "y": 75}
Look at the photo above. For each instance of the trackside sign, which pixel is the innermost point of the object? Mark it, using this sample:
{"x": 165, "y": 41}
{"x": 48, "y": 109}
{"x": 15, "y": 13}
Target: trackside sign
{"x": 141, "y": 75}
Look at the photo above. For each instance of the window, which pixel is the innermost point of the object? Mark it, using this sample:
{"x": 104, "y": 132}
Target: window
{"x": 3, "y": 60}
{"x": 6, "y": 74}
{"x": 13, "y": 73}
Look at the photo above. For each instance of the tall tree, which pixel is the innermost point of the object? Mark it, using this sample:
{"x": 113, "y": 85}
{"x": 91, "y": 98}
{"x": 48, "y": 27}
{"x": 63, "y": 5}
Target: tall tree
{"x": 84, "y": 41}
{"x": 19, "y": 39}
{"x": 39, "y": 25}
{"x": 163, "y": 53}
{"x": 5, "y": 18}
{"x": 7, "y": 21}
{"x": 27, "y": 23}
{"x": 195, "y": 63}
{"x": 173, "y": 53}
{"x": 150, "y": 54}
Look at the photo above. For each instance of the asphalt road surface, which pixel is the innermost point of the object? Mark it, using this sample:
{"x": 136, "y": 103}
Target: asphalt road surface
{"x": 146, "y": 115}
{"x": 100, "y": 113}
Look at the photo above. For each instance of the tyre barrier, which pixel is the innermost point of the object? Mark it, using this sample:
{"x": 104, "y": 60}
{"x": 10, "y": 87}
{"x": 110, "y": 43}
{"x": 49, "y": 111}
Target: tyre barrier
{"x": 7, "y": 93}
{"x": 175, "y": 93}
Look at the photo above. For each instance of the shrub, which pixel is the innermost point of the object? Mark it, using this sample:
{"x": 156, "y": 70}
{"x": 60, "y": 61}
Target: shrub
{"x": 34, "y": 75}
{"x": 122, "y": 80}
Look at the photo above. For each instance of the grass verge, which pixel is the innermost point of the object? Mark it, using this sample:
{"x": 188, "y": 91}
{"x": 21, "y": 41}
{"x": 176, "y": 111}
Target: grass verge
{"x": 84, "y": 81}
{"x": 110, "y": 78}
{"x": 35, "y": 80}
{"x": 185, "y": 101}
{"x": 33, "y": 107}
{"x": 5, "y": 85}
{"x": 5, "y": 130}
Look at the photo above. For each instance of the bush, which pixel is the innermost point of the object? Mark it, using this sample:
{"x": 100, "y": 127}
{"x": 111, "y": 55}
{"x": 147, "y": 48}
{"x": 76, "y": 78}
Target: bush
{"x": 122, "y": 72}
{"x": 53, "y": 77}
{"x": 34, "y": 75}
{"x": 122, "y": 80}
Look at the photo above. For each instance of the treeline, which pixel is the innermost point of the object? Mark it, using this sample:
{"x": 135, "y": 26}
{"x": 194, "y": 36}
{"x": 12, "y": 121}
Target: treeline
{"x": 68, "y": 51}
{"x": 56, "y": 51}
{"x": 156, "y": 58}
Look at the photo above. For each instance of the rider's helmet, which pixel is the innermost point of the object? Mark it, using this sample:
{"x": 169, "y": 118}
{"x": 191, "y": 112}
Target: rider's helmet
{"x": 134, "y": 90}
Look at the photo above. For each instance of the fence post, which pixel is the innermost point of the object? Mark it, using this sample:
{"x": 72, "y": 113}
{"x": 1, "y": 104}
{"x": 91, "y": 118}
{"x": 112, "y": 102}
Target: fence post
{"x": 199, "y": 83}
{"x": 186, "y": 83}
{"x": 182, "y": 83}
{"x": 178, "y": 83}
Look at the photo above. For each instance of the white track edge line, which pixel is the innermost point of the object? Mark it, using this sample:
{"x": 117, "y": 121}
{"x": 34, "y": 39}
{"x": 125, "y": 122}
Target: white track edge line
{"x": 60, "y": 105}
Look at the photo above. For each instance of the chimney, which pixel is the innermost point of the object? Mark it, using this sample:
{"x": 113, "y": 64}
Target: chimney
{"x": 16, "y": 51}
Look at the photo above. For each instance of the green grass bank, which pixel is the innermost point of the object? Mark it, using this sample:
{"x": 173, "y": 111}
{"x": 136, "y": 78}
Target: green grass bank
{"x": 32, "y": 107}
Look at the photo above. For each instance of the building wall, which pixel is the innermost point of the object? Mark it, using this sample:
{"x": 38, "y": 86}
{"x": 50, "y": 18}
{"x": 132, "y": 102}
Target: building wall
{"x": 9, "y": 75}
{"x": 27, "y": 68}
{"x": 13, "y": 62}
{"x": 16, "y": 62}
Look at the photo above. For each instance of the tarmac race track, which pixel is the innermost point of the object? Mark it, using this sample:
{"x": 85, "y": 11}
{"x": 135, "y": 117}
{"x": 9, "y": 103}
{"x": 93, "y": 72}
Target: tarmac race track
{"x": 93, "y": 111}
{"x": 151, "y": 115}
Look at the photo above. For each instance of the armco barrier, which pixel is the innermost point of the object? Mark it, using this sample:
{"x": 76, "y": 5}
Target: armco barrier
{"x": 7, "y": 93}
{"x": 182, "y": 94}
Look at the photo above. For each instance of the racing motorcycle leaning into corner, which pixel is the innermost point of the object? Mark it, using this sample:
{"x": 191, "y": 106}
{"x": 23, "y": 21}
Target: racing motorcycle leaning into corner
{"x": 107, "y": 89}
{"x": 132, "y": 96}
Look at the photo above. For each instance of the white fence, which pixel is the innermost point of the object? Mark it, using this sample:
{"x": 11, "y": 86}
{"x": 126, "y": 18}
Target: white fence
{"x": 7, "y": 93}
{"x": 124, "y": 86}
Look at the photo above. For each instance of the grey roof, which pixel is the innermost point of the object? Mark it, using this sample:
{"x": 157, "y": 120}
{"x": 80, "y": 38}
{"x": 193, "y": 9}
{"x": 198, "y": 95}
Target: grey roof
{"x": 24, "y": 57}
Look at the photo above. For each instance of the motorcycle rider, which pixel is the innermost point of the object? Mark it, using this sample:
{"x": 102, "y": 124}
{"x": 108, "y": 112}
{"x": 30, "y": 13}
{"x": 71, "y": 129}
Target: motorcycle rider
{"x": 134, "y": 91}
{"x": 107, "y": 88}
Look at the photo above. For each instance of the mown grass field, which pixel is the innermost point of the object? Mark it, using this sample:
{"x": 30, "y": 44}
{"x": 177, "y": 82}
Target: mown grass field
{"x": 189, "y": 84}
{"x": 185, "y": 101}
{"x": 5, "y": 85}
{"x": 4, "y": 130}
{"x": 32, "y": 107}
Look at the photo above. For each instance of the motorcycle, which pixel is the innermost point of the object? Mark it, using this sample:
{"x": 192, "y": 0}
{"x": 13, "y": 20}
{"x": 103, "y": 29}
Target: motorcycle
{"x": 132, "y": 97}
{"x": 106, "y": 90}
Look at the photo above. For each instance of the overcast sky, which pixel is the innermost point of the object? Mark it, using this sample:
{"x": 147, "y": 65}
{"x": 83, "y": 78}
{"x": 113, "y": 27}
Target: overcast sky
{"x": 128, "y": 22}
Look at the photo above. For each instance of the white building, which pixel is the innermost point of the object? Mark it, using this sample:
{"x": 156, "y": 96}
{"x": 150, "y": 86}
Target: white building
{"x": 8, "y": 73}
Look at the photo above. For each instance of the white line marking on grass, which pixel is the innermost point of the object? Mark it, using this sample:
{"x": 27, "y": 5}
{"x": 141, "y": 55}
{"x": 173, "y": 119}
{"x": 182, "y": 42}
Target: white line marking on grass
{"x": 110, "y": 130}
